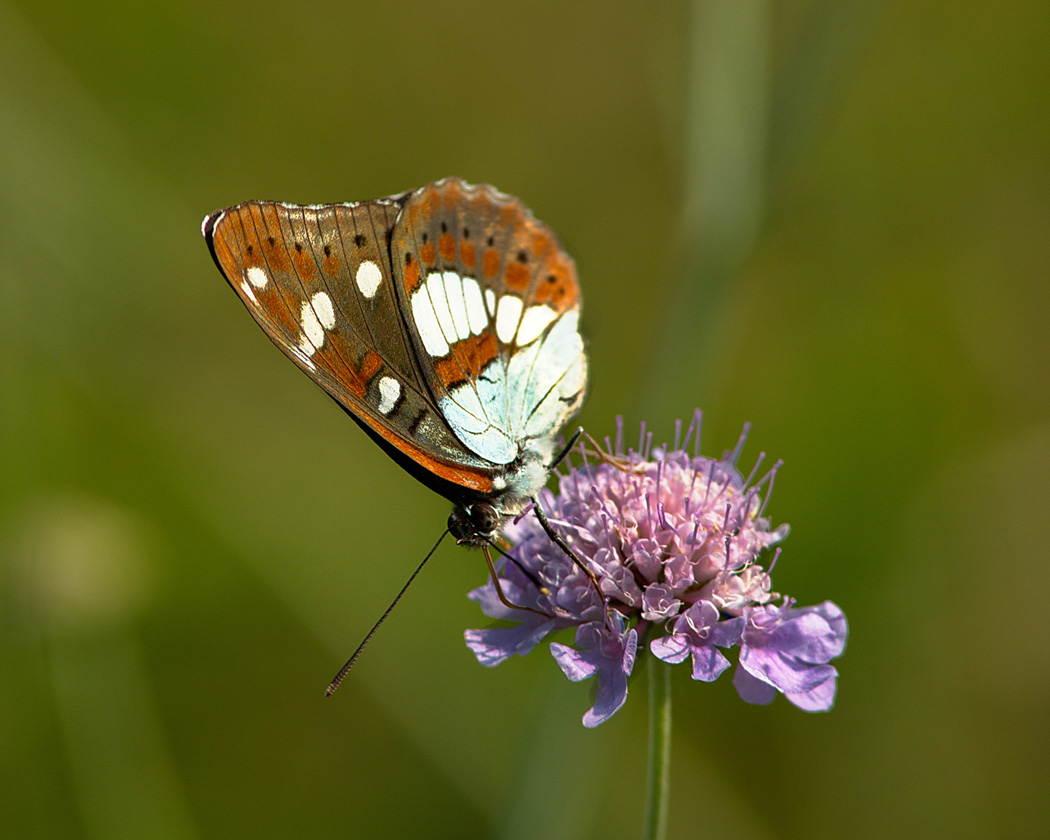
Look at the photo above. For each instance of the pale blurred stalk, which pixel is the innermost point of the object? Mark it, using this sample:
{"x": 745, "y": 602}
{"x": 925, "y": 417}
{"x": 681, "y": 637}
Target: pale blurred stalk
{"x": 727, "y": 107}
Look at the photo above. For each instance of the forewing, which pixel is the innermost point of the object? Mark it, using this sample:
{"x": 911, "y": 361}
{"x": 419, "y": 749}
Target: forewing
{"x": 318, "y": 280}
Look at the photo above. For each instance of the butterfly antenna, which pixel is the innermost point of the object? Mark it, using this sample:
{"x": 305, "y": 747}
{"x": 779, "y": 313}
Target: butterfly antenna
{"x": 334, "y": 684}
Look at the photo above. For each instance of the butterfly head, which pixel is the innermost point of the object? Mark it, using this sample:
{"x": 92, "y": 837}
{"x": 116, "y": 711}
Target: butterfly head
{"x": 474, "y": 525}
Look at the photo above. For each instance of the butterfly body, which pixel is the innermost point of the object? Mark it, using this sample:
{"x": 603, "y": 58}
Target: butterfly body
{"x": 444, "y": 321}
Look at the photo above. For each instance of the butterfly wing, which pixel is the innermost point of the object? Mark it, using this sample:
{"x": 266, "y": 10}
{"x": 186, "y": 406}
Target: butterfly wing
{"x": 495, "y": 308}
{"x": 319, "y": 281}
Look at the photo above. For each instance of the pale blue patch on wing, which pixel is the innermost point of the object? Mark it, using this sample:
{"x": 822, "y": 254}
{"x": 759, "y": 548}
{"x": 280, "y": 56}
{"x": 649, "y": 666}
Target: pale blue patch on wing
{"x": 529, "y": 399}
{"x": 464, "y": 411}
{"x": 556, "y": 408}
{"x": 492, "y": 390}
{"x": 545, "y": 377}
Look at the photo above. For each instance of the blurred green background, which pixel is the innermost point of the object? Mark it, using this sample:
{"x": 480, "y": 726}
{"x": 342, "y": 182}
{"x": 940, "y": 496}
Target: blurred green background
{"x": 829, "y": 218}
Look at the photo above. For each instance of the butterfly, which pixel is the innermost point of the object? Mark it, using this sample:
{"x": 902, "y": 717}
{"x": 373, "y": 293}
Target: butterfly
{"x": 444, "y": 321}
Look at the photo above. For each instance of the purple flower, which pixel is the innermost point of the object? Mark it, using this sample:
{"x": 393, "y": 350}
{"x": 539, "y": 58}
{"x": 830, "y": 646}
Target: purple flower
{"x": 672, "y": 541}
{"x": 788, "y": 650}
{"x": 608, "y": 652}
{"x": 699, "y": 633}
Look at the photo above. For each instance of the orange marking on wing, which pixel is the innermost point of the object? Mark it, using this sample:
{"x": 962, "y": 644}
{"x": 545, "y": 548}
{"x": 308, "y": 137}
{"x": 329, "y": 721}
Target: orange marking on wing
{"x": 354, "y": 378}
{"x": 370, "y": 366}
{"x": 462, "y": 476}
{"x": 447, "y": 247}
{"x": 490, "y": 263}
{"x": 283, "y": 313}
{"x": 427, "y": 253}
{"x": 466, "y": 253}
{"x": 333, "y": 263}
{"x": 304, "y": 263}
{"x": 232, "y": 238}
{"x": 268, "y": 225}
{"x": 540, "y": 241}
{"x": 452, "y": 192}
{"x": 480, "y": 205}
{"x": 427, "y": 201}
{"x": 467, "y": 358}
{"x": 557, "y": 285}
{"x": 510, "y": 214}
{"x": 517, "y": 276}
{"x": 221, "y": 236}
{"x": 411, "y": 276}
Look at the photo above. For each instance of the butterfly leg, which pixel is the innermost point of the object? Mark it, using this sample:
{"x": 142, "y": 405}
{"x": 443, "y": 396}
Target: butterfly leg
{"x": 621, "y": 463}
{"x": 499, "y": 589}
{"x": 561, "y": 456}
{"x": 604, "y": 456}
{"x": 556, "y": 538}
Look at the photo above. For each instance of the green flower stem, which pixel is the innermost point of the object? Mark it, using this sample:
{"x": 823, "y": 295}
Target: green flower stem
{"x": 658, "y": 789}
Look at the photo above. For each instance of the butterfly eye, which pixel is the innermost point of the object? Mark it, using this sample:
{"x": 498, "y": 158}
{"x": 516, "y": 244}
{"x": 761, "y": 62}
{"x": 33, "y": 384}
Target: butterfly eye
{"x": 460, "y": 526}
{"x": 468, "y": 523}
{"x": 484, "y": 517}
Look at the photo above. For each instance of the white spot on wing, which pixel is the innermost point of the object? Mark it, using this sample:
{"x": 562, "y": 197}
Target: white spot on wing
{"x": 389, "y": 392}
{"x": 257, "y": 277}
{"x": 248, "y": 293}
{"x": 534, "y": 322}
{"x": 368, "y": 278}
{"x": 313, "y": 332}
{"x": 322, "y": 306}
{"x": 476, "y": 315}
{"x": 457, "y": 307}
{"x": 435, "y": 287}
{"x": 490, "y": 302}
{"x": 427, "y": 323}
{"x": 507, "y": 317}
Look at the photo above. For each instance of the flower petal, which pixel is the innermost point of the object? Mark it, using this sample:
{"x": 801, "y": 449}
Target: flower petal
{"x": 495, "y": 644}
{"x": 673, "y": 649}
{"x": 753, "y": 690}
{"x": 785, "y": 673}
{"x": 576, "y": 665}
{"x": 607, "y": 654}
{"x": 818, "y": 699}
{"x": 708, "y": 663}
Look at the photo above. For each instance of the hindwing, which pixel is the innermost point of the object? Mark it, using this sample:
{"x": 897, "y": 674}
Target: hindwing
{"x": 494, "y": 304}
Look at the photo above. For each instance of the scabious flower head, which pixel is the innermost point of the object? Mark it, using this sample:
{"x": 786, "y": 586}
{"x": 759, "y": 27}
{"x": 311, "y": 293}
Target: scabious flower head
{"x": 672, "y": 540}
